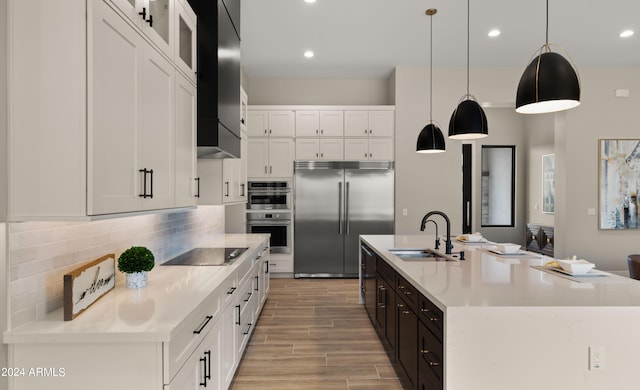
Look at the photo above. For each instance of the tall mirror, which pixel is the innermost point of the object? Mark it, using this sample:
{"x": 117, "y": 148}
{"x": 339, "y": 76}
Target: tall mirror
{"x": 498, "y": 185}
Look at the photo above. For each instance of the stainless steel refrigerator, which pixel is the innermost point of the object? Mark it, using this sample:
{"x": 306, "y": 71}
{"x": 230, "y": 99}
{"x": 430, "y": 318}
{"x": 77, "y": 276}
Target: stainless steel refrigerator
{"x": 334, "y": 203}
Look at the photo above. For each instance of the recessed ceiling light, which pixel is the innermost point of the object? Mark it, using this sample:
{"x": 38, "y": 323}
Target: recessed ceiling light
{"x": 310, "y": 1}
{"x": 308, "y": 53}
{"x": 494, "y": 33}
{"x": 626, "y": 33}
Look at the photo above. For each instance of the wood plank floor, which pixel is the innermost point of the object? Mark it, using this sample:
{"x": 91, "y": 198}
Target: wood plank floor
{"x": 314, "y": 335}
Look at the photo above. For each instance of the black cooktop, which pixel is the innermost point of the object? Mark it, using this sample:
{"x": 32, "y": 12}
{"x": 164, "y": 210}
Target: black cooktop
{"x": 207, "y": 256}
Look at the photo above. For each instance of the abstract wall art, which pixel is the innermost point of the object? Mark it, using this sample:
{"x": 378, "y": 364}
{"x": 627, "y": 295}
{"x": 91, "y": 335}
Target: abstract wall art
{"x": 548, "y": 189}
{"x": 618, "y": 182}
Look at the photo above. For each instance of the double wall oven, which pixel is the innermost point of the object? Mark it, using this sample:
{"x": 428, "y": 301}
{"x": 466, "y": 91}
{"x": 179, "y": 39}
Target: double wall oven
{"x": 269, "y": 211}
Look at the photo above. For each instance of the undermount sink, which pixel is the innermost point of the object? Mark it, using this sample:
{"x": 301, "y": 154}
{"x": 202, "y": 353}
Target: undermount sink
{"x": 418, "y": 254}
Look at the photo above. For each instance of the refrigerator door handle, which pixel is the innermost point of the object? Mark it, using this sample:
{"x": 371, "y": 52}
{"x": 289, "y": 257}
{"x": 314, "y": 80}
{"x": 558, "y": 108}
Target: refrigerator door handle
{"x": 340, "y": 208}
{"x": 346, "y": 208}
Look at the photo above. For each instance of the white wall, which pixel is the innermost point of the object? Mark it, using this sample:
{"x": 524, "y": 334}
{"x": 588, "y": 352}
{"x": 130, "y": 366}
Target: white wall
{"x": 40, "y": 253}
{"x": 317, "y": 91}
{"x": 3, "y": 183}
{"x": 540, "y": 130}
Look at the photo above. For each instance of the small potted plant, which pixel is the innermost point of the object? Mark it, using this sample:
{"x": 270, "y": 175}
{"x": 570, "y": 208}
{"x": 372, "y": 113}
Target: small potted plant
{"x": 135, "y": 262}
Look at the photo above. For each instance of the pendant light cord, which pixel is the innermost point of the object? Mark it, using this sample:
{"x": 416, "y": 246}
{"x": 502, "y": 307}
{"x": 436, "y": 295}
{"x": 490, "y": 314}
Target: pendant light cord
{"x": 431, "y": 68}
{"x": 547, "y": 29}
{"x": 468, "y": 12}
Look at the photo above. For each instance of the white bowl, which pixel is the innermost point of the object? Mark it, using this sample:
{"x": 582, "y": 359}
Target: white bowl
{"x": 508, "y": 248}
{"x": 576, "y": 267}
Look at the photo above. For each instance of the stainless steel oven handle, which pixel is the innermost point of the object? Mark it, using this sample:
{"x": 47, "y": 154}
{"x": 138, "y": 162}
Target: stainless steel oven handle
{"x": 269, "y": 223}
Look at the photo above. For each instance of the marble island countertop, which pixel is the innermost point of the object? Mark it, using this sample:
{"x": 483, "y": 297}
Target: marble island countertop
{"x": 147, "y": 314}
{"x": 486, "y": 279}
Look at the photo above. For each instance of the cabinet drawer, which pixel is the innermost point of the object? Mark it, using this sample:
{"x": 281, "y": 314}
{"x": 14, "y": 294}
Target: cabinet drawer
{"x": 430, "y": 363}
{"x": 280, "y": 265}
{"x": 407, "y": 292}
{"x": 228, "y": 290}
{"x": 431, "y": 316}
{"x": 186, "y": 337}
{"x": 385, "y": 270}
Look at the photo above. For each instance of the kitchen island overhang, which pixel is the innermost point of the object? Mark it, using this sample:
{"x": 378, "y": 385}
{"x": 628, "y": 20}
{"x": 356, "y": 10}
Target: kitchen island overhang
{"x": 507, "y": 325}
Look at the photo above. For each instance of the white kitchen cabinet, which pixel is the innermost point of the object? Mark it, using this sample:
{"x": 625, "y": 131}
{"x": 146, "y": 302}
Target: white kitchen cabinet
{"x": 108, "y": 143}
{"x": 131, "y": 133}
{"x": 185, "y": 143}
{"x": 220, "y": 181}
{"x": 270, "y": 123}
{"x": 361, "y": 123}
{"x": 185, "y": 39}
{"x": 154, "y": 18}
{"x": 369, "y": 149}
{"x": 270, "y": 157}
{"x": 319, "y": 149}
{"x": 321, "y": 123}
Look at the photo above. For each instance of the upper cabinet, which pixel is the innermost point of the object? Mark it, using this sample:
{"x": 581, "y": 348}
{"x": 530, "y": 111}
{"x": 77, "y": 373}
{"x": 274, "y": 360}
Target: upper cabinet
{"x": 113, "y": 130}
{"x": 362, "y": 123}
{"x": 185, "y": 39}
{"x": 319, "y": 123}
{"x": 271, "y": 123}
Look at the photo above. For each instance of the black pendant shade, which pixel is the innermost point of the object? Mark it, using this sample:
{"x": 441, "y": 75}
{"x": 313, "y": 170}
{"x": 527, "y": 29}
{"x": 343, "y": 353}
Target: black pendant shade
{"x": 468, "y": 121}
{"x": 548, "y": 84}
{"x": 430, "y": 140}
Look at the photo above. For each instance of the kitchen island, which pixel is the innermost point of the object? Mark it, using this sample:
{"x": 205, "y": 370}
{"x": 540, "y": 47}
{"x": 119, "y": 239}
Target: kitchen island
{"x": 187, "y": 328}
{"x": 495, "y": 322}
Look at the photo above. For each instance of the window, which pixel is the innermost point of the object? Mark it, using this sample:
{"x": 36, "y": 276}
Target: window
{"x": 498, "y": 185}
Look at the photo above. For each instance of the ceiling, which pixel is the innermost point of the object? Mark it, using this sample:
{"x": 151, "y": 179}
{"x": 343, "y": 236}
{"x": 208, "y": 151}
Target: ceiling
{"x": 368, "y": 38}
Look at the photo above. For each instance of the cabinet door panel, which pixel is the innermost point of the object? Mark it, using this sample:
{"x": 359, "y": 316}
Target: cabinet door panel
{"x": 158, "y": 24}
{"x": 185, "y": 39}
{"x": 356, "y": 149}
{"x": 281, "y": 156}
{"x": 307, "y": 149}
{"x": 381, "y": 123}
{"x": 257, "y": 123}
{"x": 281, "y": 123}
{"x": 407, "y": 347}
{"x": 156, "y": 138}
{"x": 115, "y": 60}
{"x": 185, "y": 144}
{"x": 258, "y": 157}
{"x": 381, "y": 149}
{"x": 332, "y": 123}
{"x": 307, "y": 124}
{"x": 356, "y": 123}
{"x": 332, "y": 149}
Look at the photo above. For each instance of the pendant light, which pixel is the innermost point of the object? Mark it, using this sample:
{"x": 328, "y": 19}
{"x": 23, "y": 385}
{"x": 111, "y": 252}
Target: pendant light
{"x": 468, "y": 120}
{"x": 549, "y": 83}
{"x": 430, "y": 139}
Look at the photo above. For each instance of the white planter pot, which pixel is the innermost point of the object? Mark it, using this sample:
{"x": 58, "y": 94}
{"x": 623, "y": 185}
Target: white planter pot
{"x": 137, "y": 280}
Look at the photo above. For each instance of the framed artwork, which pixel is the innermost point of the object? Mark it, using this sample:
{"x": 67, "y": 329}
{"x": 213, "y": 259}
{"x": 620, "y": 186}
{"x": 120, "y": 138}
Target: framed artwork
{"x": 548, "y": 188}
{"x": 618, "y": 183}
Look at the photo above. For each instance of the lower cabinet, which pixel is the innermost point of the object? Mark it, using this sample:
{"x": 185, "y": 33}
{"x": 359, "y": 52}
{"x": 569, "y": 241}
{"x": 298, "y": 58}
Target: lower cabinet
{"x": 409, "y": 325}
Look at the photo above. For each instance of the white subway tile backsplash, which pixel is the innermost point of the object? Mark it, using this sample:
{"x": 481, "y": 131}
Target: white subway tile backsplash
{"x": 40, "y": 253}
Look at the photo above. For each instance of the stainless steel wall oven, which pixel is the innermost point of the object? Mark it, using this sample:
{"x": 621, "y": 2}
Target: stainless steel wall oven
{"x": 278, "y": 224}
{"x": 269, "y": 195}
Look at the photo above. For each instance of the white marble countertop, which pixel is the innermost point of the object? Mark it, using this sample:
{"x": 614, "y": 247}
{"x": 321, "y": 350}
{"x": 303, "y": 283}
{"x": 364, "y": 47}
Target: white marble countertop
{"x": 486, "y": 279}
{"x": 144, "y": 315}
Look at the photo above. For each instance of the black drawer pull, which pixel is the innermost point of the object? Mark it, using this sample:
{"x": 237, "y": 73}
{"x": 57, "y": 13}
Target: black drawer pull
{"x": 238, "y": 322}
{"x": 248, "y": 329}
{"x": 426, "y": 353}
{"x": 204, "y": 324}
{"x": 231, "y": 291}
{"x": 248, "y": 297}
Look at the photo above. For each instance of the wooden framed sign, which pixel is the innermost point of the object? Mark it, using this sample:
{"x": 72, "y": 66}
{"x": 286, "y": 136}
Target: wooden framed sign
{"x": 85, "y": 285}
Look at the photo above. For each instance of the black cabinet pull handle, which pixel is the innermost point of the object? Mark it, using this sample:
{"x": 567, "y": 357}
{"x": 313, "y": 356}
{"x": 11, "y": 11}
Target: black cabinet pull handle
{"x": 151, "y": 182}
{"x": 266, "y": 271}
{"x": 226, "y": 183}
{"x": 204, "y": 324}
{"x": 197, "y": 179}
{"x": 143, "y": 13}
{"x": 248, "y": 296}
{"x": 257, "y": 284}
{"x": 426, "y": 353}
{"x": 242, "y": 189}
{"x": 231, "y": 290}
{"x": 248, "y": 329}
{"x": 204, "y": 371}
{"x": 150, "y": 20}
{"x": 144, "y": 172}
{"x": 207, "y": 373}
{"x": 238, "y": 322}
